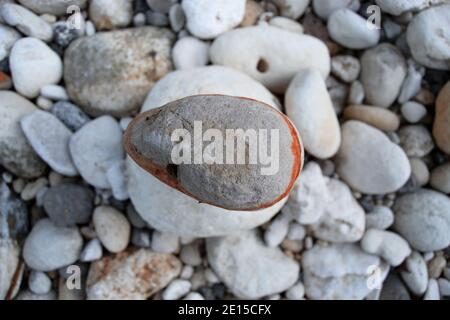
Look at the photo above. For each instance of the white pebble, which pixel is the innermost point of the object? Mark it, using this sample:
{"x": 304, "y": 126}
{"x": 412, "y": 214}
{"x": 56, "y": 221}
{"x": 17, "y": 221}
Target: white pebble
{"x": 92, "y": 251}
{"x": 444, "y": 287}
{"x": 211, "y": 277}
{"x": 39, "y": 282}
{"x": 413, "y": 112}
{"x": 189, "y": 52}
{"x": 432, "y": 292}
{"x": 116, "y": 178}
{"x": 124, "y": 122}
{"x": 194, "y": 296}
{"x": 296, "y": 292}
{"x": 44, "y": 103}
{"x": 296, "y": 231}
{"x": 380, "y": 218}
{"x": 190, "y": 254}
{"x": 176, "y": 289}
{"x": 89, "y": 28}
{"x": 54, "y": 92}
{"x": 32, "y": 188}
{"x": 277, "y": 230}
{"x": 112, "y": 228}
{"x": 187, "y": 272}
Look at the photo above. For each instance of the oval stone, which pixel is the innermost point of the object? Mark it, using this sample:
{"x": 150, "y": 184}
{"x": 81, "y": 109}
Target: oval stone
{"x": 219, "y": 174}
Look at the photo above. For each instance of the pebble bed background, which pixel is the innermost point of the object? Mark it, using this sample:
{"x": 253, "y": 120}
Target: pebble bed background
{"x": 372, "y": 107}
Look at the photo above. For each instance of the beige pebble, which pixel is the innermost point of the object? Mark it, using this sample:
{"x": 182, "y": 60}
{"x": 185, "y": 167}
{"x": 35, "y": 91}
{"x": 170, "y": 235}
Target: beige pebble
{"x": 380, "y": 118}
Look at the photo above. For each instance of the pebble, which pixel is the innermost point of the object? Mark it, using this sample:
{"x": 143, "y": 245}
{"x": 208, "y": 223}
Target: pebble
{"x": 69, "y": 114}
{"x": 13, "y": 215}
{"x": 350, "y": 30}
{"x": 164, "y": 242}
{"x": 49, "y": 247}
{"x": 394, "y": 289}
{"x": 346, "y": 68}
{"x": 207, "y": 20}
{"x": 432, "y": 292}
{"x": 162, "y": 6}
{"x": 324, "y": 279}
{"x": 440, "y": 178}
{"x": 380, "y": 218}
{"x": 107, "y": 14}
{"x": 253, "y": 11}
{"x": 429, "y": 43}
{"x": 26, "y": 21}
{"x": 44, "y": 103}
{"x": 441, "y": 126}
{"x": 343, "y": 219}
{"x": 286, "y": 24}
{"x": 419, "y": 172}
{"x": 68, "y": 204}
{"x": 176, "y": 289}
{"x": 34, "y": 65}
{"x": 415, "y": 274}
{"x": 413, "y": 81}
{"x": 356, "y": 94}
{"x": 177, "y": 18}
{"x": 131, "y": 275}
{"x": 95, "y": 147}
{"x": 92, "y": 251}
{"x": 296, "y": 231}
{"x": 55, "y": 7}
{"x": 39, "y": 282}
{"x": 193, "y": 296}
{"x": 413, "y": 111}
{"x": 10, "y": 266}
{"x": 112, "y": 228}
{"x": 387, "y": 245}
{"x": 324, "y": 8}
{"x": 16, "y": 154}
{"x": 90, "y": 29}
{"x": 383, "y": 70}
{"x": 423, "y": 219}
{"x": 444, "y": 287}
{"x": 308, "y": 198}
{"x": 32, "y": 189}
{"x": 296, "y": 292}
{"x": 49, "y": 137}
{"x": 277, "y": 230}
{"x": 377, "y": 117}
{"x": 190, "y": 254}
{"x": 187, "y": 272}
{"x": 269, "y": 271}
{"x": 8, "y": 36}
{"x": 204, "y": 80}
{"x": 189, "y": 52}
{"x": 416, "y": 140}
{"x": 113, "y": 58}
{"x": 134, "y": 218}
{"x": 206, "y": 182}
{"x": 54, "y": 92}
{"x": 63, "y": 35}
{"x": 436, "y": 266}
{"x": 310, "y": 108}
{"x": 116, "y": 178}
{"x": 255, "y": 51}
{"x": 365, "y": 147}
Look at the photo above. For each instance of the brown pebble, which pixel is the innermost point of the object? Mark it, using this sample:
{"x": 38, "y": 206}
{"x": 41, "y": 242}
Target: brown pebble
{"x": 377, "y": 117}
{"x": 441, "y": 127}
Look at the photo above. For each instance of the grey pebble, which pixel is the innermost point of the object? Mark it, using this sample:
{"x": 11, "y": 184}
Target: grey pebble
{"x": 69, "y": 114}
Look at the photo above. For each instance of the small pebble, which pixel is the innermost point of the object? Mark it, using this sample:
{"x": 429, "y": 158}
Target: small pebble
{"x": 296, "y": 292}
{"x": 112, "y": 228}
{"x": 176, "y": 289}
{"x": 39, "y": 282}
{"x": 346, "y": 68}
{"x": 189, "y": 52}
{"x": 54, "y": 92}
{"x": 193, "y": 296}
{"x": 432, "y": 292}
{"x": 190, "y": 254}
{"x": 413, "y": 112}
{"x": 141, "y": 238}
{"x": 32, "y": 188}
{"x": 164, "y": 242}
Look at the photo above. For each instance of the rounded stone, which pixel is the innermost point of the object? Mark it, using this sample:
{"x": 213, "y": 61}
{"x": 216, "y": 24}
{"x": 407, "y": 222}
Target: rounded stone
{"x": 380, "y": 118}
{"x": 351, "y": 31}
{"x": 112, "y": 228}
{"x": 189, "y": 52}
{"x": 68, "y": 204}
{"x": 50, "y": 139}
{"x": 256, "y": 52}
{"x": 423, "y": 218}
{"x": 16, "y": 154}
{"x": 123, "y": 66}
{"x": 429, "y": 39}
{"x": 49, "y": 247}
{"x": 34, "y": 65}
{"x": 310, "y": 108}
{"x": 96, "y": 147}
{"x": 207, "y": 19}
{"x": 107, "y": 14}
{"x": 441, "y": 126}
{"x": 440, "y": 178}
{"x": 383, "y": 70}
{"x": 369, "y": 162}
{"x": 249, "y": 268}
